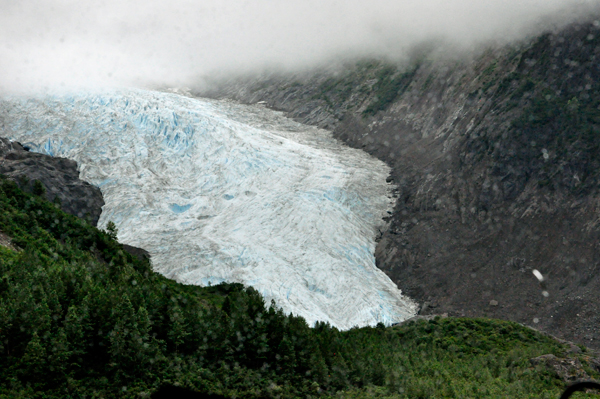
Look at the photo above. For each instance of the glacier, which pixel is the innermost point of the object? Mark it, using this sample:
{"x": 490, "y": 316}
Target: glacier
{"x": 218, "y": 191}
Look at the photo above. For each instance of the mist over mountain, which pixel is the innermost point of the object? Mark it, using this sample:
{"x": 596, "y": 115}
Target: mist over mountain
{"x": 67, "y": 44}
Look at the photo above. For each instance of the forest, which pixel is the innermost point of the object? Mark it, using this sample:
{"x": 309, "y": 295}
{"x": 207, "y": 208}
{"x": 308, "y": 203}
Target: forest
{"x": 82, "y": 318}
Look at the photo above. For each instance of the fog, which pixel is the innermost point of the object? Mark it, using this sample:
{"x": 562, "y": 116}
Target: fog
{"x": 64, "y": 44}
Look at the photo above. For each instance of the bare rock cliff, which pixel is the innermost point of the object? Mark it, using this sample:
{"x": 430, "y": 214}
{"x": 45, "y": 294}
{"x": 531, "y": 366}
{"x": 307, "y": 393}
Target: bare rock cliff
{"x": 497, "y": 162}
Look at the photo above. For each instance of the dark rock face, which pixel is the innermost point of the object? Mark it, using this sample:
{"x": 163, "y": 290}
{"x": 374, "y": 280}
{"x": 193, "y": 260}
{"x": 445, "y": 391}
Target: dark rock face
{"x": 497, "y": 163}
{"x": 59, "y": 177}
{"x": 140, "y": 253}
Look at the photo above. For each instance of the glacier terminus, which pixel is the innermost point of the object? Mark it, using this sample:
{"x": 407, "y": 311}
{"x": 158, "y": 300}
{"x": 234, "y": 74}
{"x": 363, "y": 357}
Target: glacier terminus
{"x": 218, "y": 191}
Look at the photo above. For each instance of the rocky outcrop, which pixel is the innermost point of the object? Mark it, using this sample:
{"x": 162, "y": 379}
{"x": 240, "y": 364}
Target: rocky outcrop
{"x": 497, "y": 162}
{"x": 58, "y": 176}
{"x": 5, "y": 241}
{"x": 140, "y": 253}
{"x": 569, "y": 369}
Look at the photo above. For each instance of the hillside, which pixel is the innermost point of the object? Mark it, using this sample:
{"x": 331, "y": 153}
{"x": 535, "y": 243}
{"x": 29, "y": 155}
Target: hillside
{"x": 497, "y": 162}
{"x": 79, "y": 316}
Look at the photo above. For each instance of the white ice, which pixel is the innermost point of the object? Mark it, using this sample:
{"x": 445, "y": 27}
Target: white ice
{"x": 218, "y": 191}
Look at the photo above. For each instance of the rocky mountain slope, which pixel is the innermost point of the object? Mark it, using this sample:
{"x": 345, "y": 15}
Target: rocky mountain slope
{"x": 497, "y": 163}
{"x": 59, "y": 180}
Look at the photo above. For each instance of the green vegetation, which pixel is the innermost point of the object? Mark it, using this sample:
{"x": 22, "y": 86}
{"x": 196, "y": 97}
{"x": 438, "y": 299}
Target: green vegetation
{"x": 79, "y": 317}
{"x": 374, "y": 83}
{"x": 555, "y": 138}
{"x": 488, "y": 78}
{"x": 111, "y": 230}
{"x": 568, "y": 129}
{"x": 38, "y": 188}
{"x": 428, "y": 82}
{"x": 338, "y": 89}
{"x": 543, "y": 125}
{"x": 390, "y": 84}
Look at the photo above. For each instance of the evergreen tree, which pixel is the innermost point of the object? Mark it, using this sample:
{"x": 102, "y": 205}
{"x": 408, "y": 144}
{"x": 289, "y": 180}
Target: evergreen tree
{"x": 38, "y": 188}
{"x": 319, "y": 370}
{"x": 111, "y": 230}
{"x": 228, "y": 307}
{"x": 177, "y": 329}
{"x": 339, "y": 372}
{"x": 144, "y": 324}
{"x": 148, "y": 348}
{"x": 122, "y": 337}
{"x": 76, "y": 325}
{"x": 35, "y": 313}
{"x": 58, "y": 352}
{"x": 33, "y": 363}
{"x": 286, "y": 357}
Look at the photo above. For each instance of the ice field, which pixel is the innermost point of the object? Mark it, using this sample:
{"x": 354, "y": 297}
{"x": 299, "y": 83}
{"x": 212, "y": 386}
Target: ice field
{"x": 218, "y": 191}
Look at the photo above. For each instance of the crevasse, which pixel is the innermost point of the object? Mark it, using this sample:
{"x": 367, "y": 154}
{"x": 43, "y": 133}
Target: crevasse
{"x": 218, "y": 191}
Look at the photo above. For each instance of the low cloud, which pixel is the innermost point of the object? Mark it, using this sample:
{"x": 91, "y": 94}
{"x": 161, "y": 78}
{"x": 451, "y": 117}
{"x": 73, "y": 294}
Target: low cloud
{"x": 76, "y": 44}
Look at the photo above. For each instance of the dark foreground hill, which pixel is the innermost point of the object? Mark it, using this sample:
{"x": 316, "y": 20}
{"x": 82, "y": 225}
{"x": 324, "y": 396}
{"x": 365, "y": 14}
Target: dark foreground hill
{"x": 81, "y": 317}
{"x": 497, "y": 162}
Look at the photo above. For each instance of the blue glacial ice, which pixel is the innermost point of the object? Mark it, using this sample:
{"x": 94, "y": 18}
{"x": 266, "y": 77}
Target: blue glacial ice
{"x": 218, "y": 191}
